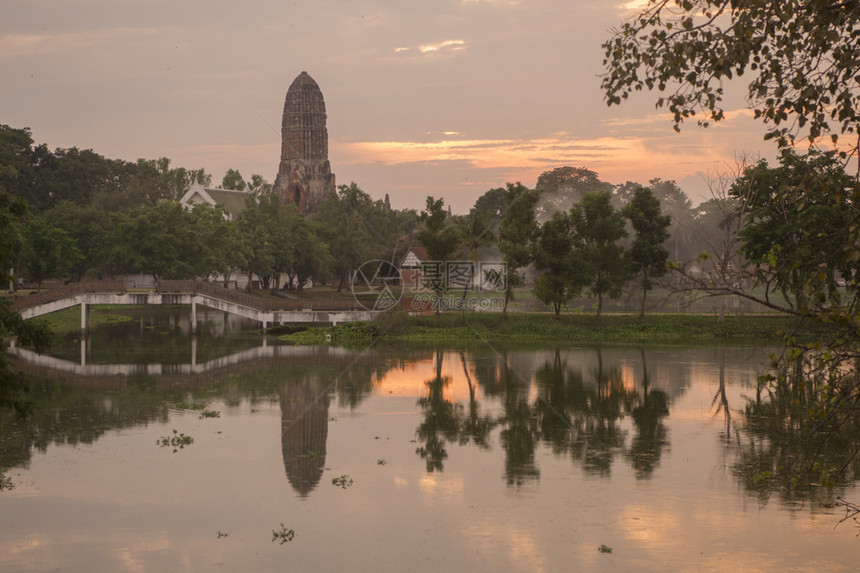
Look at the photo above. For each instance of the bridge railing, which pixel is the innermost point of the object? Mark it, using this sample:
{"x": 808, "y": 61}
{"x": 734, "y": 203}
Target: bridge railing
{"x": 259, "y": 303}
{"x": 262, "y": 304}
{"x": 67, "y": 291}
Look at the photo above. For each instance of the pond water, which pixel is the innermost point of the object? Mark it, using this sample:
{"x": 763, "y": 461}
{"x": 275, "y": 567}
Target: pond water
{"x": 485, "y": 458}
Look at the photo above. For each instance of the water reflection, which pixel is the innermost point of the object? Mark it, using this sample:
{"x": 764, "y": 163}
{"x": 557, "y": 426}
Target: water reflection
{"x": 486, "y": 452}
{"x": 304, "y": 430}
{"x": 576, "y": 411}
{"x": 595, "y": 407}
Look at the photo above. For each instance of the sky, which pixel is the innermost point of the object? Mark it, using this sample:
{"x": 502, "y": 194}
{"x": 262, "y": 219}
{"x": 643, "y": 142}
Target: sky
{"x": 448, "y": 98}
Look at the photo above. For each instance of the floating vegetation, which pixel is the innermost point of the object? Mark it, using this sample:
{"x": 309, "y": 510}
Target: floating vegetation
{"x": 186, "y": 405}
{"x": 343, "y": 481}
{"x": 178, "y": 441}
{"x": 210, "y": 414}
{"x": 604, "y": 549}
{"x": 220, "y": 535}
{"x": 381, "y": 462}
{"x": 284, "y": 535}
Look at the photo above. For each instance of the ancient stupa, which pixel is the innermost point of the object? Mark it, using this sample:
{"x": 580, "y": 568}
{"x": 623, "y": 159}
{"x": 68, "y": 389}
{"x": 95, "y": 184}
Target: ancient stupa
{"x": 304, "y": 175}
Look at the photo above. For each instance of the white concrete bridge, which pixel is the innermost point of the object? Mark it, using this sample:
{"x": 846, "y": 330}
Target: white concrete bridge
{"x": 266, "y": 311}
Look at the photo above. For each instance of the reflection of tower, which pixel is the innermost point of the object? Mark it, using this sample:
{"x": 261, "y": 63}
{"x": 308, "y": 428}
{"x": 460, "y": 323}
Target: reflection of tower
{"x": 304, "y": 175}
{"x": 304, "y": 429}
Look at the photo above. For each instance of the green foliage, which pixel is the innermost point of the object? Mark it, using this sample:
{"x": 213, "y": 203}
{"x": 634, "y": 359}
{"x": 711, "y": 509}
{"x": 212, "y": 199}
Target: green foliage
{"x": 648, "y": 257}
{"x": 438, "y": 236}
{"x": 800, "y": 228}
{"x": 598, "y": 228}
{"x": 347, "y": 334}
{"x": 343, "y": 481}
{"x": 274, "y": 239}
{"x": 177, "y": 441}
{"x": 801, "y": 54}
{"x": 283, "y": 535}
{"x": 233, "y": 180}
{"x": 210, "y": 414}
{"x": 48, "y": 251}
{"x": 392, "y": 322}
{"x": 562, "y": 187}
{"x": 562, "y": 274}
{"x": 357, "y": 229}
{"x": 517, "y": 232}
{"x": 12, "y": 213}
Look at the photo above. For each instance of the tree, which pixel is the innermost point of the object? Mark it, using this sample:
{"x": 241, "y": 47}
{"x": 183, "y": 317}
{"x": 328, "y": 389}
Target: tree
{"x": 561, "y": 187}
{"x": 88, "y": 227}
{"x": 48, "y": 252}
{"x": 343, "y": 221}
{"x": 440, "y": 239}
{"x": 648, "y": 256}
{"x": 233, "y": 180}
{"x": 517, "y": 232}
{"x": 258, "y": 184}
{"x": 257, "y": 231}
{"x": 800, "y": 228}
{"x": 491, "y": 205}
{"x": 675, "y": 203}
{"x": 561, "y": 276}
{"x": 802, "y": 55}
{"x": 13, "y": 384}
{"x": 475, "y": 233}
{"x": 598, "y": 227}
{"x": 13, "y": 210}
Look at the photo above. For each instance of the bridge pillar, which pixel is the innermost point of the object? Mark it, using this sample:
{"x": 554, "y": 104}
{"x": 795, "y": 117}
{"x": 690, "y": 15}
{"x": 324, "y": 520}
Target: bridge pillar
{"x": 83, "y": 317}
{"x": 193, "y": 316}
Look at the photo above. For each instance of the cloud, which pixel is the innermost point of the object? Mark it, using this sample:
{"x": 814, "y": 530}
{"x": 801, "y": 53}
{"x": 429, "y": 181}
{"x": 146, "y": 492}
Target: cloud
{"x": 444, "y": 47}
{"x": 447, "y": 45}
{"x": 17, "y": 45}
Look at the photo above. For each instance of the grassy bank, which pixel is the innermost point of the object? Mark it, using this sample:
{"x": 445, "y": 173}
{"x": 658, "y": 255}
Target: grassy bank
{"x": 69, "y": 320}
{"x": 572, "y": 329}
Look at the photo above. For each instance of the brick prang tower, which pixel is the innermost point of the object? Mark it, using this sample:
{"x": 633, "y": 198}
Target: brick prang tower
{"x": 304, "y": 175}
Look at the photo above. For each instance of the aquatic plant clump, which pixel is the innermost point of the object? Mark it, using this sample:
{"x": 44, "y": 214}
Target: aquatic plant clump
{"x": 283, "y": 535}
{"x": 178, "y": 441}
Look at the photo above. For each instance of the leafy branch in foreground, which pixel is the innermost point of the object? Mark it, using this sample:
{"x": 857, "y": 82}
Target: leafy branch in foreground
{"x": 801, "y": 54}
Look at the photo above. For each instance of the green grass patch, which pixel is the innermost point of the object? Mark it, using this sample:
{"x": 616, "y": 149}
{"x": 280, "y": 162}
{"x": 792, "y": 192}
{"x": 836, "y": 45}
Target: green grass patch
{"x": 614, "y": 329}
{"x": 69, "y": 320}
{"x": 346, "y": 334}
{"x": 620, "y": 329}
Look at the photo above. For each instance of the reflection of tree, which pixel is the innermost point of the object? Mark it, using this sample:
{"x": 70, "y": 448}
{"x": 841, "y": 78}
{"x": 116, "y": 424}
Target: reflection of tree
{"x": 721, "y": 399}
{"x": 582, "y": 420}
{"x": 777, "y": 443}
{"x": 61, "y": 414}
{"x": 573, "y": 416}
{"x": 304, "y": 429}
{"x": 650, "y": 440}
{"x": 519, "y": 433}
{"x": 474, "y": 427}
{"x": 441, "y": 420}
